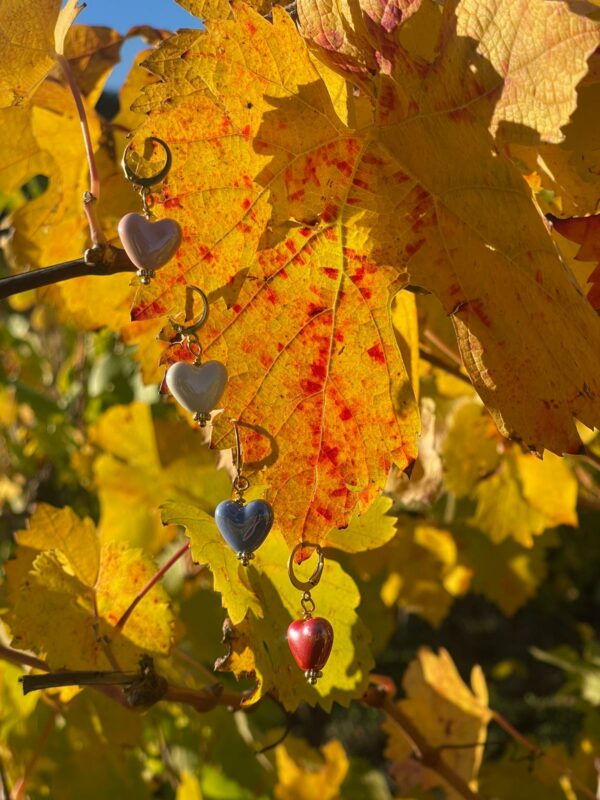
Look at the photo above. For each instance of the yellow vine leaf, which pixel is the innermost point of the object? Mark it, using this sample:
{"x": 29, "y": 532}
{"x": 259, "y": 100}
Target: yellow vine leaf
{"x": 372, "y": 529}
{"x": 507, "y": 573}
{"x": 570, "y": 173}
{"x": 189, "y": 787}
{"x": 327, "y": 354}
{"x": 446, "y": 711}
{"x": 423, "y": 570}
{"x": 44, "y": 139}
{"x": 68, "y": 590}
{"x": 365, "y": 531}
{"x": 354, "y": 36}
{"x": 92, "y": 53}
{"x": 32, "y": 32}
{"x": 406, "y": 327}
{"x": 524, "y": 497}
{"x": 471, "y": 449}
{"x": 306, "y": 774}
{"x": 509, "y": 778}
{"x": 264, "y": 601}
{"x": 93, "y": 725}
{"x": 221, "y": 9}
{"x": 143, "y": 462}
{"x": 230, "y": 579}
{"x": 536, "y": 55}
{"x": 16, "y": 708}
{"x": 207, "y": 9}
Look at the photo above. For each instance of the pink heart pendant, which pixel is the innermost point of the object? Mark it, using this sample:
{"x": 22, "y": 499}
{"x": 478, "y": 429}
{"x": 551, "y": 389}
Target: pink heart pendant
{"x": 197, "y": 387}
{"x": 149, "y": 244}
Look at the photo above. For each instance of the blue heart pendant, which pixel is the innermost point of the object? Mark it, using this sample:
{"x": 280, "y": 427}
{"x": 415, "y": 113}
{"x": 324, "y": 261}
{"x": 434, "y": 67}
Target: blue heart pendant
{"x": 244, "y": 528}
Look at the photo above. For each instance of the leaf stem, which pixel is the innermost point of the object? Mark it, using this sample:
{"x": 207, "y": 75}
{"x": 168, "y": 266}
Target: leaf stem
{"x": 436, "y": 361}
{"x": 22, "y": 659}
{"x": 590, "y": 458}
{"x": 112, "y": 261}
{"x": 537, "y": 751}
{"x": 179, "y": 653}
{"x": 19, "y": 787}
{"x": 90, "y": 198}
{"x": 442, "y": 347}
{"x": 154, "y": 580}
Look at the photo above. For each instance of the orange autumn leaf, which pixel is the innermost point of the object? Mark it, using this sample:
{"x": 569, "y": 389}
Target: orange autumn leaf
{"x": 297, "y": 380}
{"x": 302, "y": 221}
{"x": 586, "y": 232}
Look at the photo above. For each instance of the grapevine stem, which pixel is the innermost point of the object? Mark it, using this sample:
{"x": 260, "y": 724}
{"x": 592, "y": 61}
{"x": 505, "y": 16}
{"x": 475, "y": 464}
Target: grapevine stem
{"x": 112, "y": 262}
{"x": 442, "y": 346}
{"x": 431, "y": 757}
{"x": 201, "y": 699}
{"x": 91, "y": 197}
{"x": 154, "y": 580}
{"x": 205, "y": 699}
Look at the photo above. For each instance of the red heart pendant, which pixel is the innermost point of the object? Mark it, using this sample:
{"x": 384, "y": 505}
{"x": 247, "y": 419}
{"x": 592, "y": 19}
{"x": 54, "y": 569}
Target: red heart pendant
{"x": 310, "y": 641}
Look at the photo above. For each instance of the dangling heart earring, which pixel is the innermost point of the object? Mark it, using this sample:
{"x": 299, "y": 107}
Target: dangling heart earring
{"x": 148, "y": 244}
{"x": 310, "y": 639}
{"x": 244, "y": 527}
{"x": 196, "y": 386}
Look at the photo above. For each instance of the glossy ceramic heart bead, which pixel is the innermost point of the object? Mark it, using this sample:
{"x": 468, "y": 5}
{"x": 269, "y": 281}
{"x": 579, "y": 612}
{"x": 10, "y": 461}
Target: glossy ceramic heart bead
{"x": 149, "y": 244}
{"x": 244, "y": 527}
{"x": 310, "y": 642}
{"x": 197, "y": 387}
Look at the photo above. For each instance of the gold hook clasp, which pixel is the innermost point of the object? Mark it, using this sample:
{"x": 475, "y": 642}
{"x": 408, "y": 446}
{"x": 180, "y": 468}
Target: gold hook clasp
{"x": 306, "y": 586}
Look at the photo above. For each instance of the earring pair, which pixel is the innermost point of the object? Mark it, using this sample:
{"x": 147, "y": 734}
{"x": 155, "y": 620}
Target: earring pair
{"x": 198, "y": 387}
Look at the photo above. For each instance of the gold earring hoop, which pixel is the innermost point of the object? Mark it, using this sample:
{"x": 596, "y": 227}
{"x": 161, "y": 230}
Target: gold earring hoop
{"x": 197, "y": 387}
{"x": 188, "y": 330}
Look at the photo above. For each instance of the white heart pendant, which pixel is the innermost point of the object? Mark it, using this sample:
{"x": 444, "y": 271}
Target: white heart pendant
{"x": 149, "y": 244}
{"x": 198, "y": 388}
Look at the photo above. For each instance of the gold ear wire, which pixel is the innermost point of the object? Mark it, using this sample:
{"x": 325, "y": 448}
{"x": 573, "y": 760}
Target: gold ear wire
{"x": 306, "y": 586}
{"x": 146, "y": 183}
{"x": 189, "y": 330}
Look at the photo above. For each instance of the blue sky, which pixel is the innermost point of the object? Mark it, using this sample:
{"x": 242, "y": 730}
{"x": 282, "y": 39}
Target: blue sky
{"x": 123, "y": 14}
